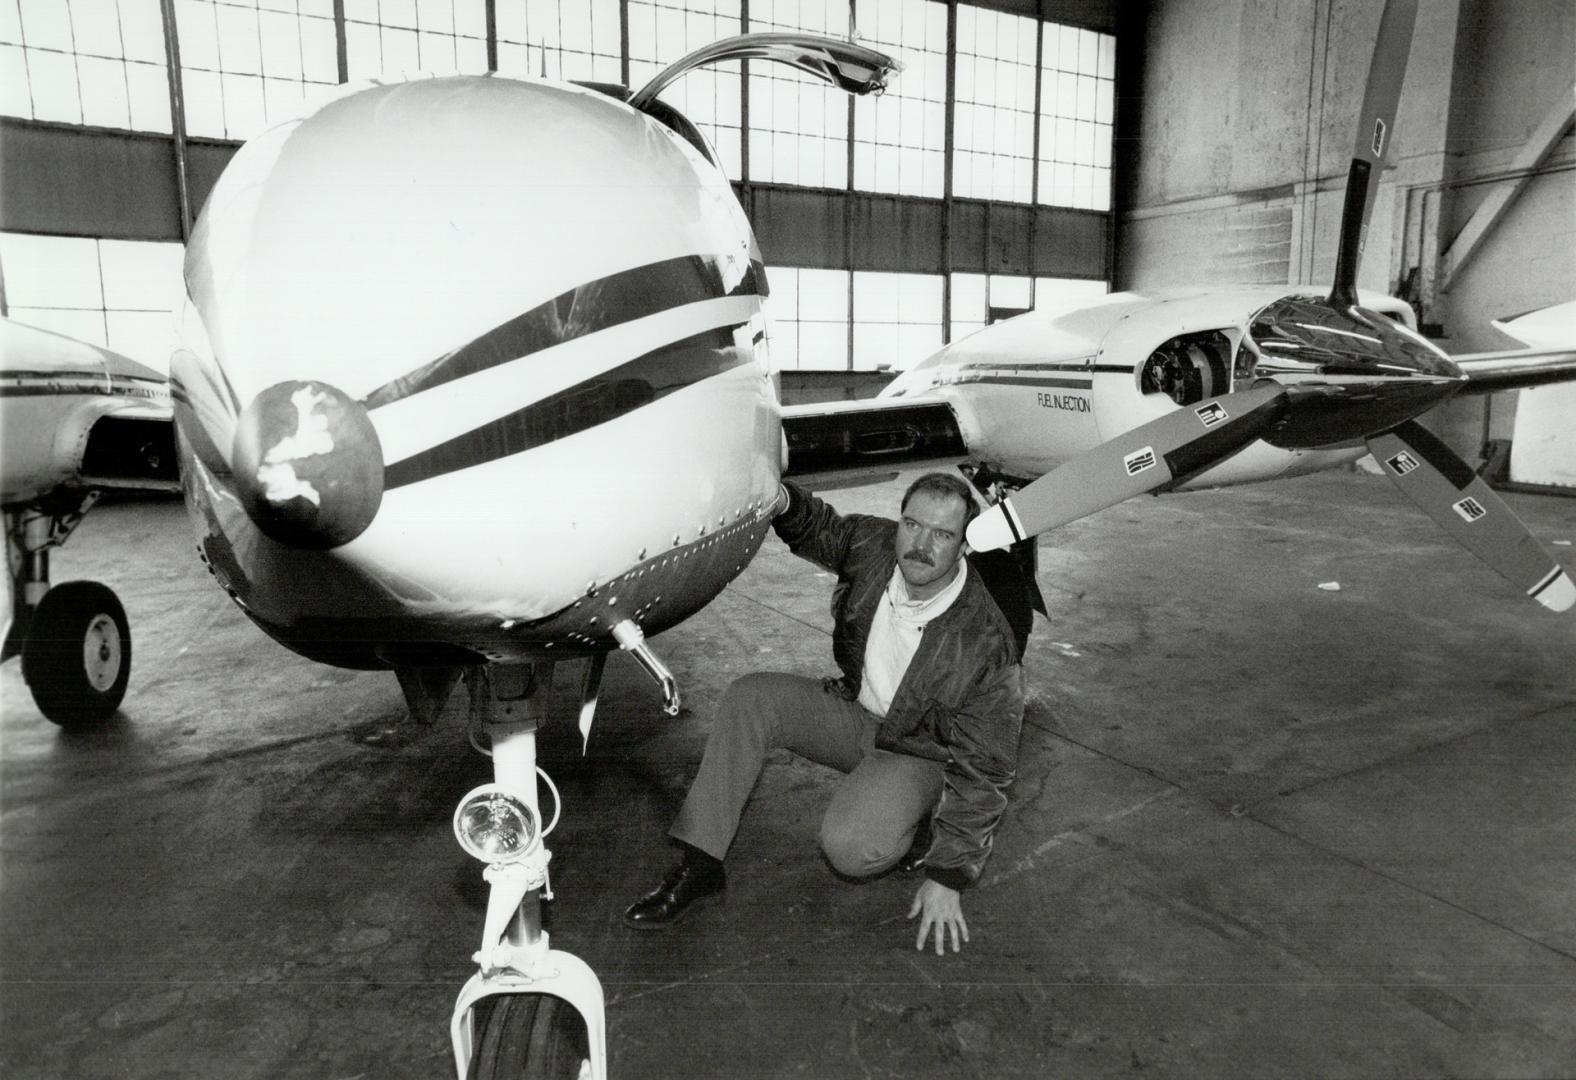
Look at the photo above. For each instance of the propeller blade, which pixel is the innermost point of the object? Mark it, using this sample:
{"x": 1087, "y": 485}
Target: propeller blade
{"x": 1161, "y": 453}
{"x": 1385, "y": 74}
{"x": 1447, "y": 490}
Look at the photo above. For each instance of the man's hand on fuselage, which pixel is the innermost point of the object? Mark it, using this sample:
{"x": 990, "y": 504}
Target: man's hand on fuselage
{"x": 942, "y": 908}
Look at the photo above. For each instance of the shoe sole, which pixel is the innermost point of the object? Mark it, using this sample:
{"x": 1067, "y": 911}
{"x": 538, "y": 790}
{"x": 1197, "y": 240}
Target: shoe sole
{"x": 703, "y": 901}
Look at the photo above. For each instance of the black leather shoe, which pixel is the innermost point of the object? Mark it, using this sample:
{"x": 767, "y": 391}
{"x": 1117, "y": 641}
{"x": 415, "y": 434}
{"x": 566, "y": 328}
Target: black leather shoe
{"x": 914, "y": 858}
{"x": 685, "y": 885}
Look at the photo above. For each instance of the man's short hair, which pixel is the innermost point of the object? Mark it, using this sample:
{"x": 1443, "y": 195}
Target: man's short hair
{"x": 940, "y": 483}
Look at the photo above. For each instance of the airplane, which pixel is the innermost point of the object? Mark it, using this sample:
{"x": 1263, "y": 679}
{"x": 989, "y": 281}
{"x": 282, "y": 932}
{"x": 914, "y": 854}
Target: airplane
{"x": 474, "y": 379}
{"x": 1061, "y": 414}
{"x": 77, "y": 420}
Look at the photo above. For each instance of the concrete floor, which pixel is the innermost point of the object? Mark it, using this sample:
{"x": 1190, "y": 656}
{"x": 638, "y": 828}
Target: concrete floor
{"x": 1261, "y": 830}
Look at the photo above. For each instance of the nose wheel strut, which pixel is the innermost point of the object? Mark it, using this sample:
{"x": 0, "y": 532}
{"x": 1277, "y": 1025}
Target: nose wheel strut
{"x": 529, "y": 992}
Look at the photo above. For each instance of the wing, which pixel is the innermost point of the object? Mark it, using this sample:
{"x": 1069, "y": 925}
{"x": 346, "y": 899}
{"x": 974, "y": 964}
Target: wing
{"x": 882, "y": 433}
{"x": 1515, "y": 369}
{"x": 1549, "y": 355}
{"x": 79, "y": 416}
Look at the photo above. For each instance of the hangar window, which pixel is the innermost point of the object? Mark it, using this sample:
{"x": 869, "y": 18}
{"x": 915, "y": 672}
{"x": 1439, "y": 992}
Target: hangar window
{"x": 897, "y": 319}
{"x": 900, "y": 136}
{"x": 993, "y": 118}
{"x": 560, "y": 39}
{"x": 115, "y": 293}
{"x": 798, "y": 125}
{"x": 1066, "y": 294}
{"x": 981, "y": 299}
{"x": 246, "y": 65}
{"x": 1077, "y": 111}
{"x": 390, "y": 37}
{"x": 662, "y": 31}
{"x": 97, "y": 63}
{"x": 807, "y": 313}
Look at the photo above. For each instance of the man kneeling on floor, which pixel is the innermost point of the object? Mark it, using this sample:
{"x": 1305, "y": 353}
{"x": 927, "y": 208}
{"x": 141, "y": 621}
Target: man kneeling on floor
{"x": 924, "y": 721}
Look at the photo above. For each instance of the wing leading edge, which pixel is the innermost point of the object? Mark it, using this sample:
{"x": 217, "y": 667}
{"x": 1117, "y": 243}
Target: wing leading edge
{"x": 1515, "y": 369}
{"x": 1548, "y": 336}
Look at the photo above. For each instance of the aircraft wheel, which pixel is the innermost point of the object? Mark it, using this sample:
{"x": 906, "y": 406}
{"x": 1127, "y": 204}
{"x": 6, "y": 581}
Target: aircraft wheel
{"x": 77, "y": 656}
{"x": 529, "y": 1037}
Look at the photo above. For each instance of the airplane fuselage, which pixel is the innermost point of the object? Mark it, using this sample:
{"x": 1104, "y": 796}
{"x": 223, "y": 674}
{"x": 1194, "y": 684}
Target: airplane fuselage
{"x": 530, "y": 310}
{"x": 1044, "y": 387}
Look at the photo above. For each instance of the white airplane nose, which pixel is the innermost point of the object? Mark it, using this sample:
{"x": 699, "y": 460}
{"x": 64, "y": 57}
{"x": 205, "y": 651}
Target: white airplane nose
{"x": 308, "y": 465}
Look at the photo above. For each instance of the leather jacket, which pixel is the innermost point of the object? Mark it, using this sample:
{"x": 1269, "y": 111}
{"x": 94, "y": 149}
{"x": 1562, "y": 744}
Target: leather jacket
{"x": 959, "y": 702}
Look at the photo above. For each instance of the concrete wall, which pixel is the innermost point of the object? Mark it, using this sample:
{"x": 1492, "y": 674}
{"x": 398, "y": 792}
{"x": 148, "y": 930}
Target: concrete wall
{"x": 1248, "y": 119}
{"x": 1245, "y": 127}
{"x": 1516, "y": 62}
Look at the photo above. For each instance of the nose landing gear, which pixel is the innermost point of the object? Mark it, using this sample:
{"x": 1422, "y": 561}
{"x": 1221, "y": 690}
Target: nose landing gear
{"x": 530, "y": 1010}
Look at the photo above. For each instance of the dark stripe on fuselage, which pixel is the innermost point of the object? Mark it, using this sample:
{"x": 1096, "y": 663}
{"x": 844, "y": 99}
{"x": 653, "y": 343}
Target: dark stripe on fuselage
{"x": 89, "y": 373}
{"x": 1080, "y": 366}
{"x": 597, "y": 400}
{"x": 55, "y": 390}
{"x": 1024, "y": 380}
{"x": 585, "y": 309}
{"x": 36, "y": 383}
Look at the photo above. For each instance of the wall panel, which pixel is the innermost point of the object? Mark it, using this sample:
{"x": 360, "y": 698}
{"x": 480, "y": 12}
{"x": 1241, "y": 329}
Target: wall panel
{"x": 896, "y": 234}
{"x": 87, "y": 182}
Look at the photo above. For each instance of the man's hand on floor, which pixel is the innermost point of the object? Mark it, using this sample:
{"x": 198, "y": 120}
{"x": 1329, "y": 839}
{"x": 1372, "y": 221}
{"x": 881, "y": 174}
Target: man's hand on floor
{"x": 942, "y": 908}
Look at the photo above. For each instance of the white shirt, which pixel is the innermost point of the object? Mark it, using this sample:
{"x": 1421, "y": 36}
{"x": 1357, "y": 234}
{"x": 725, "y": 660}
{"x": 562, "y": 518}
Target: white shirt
{"x": 894, "y": 636}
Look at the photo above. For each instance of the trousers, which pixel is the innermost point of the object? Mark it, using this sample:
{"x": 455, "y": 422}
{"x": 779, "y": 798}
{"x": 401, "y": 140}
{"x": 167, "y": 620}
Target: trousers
{"x": 876, "y": 807}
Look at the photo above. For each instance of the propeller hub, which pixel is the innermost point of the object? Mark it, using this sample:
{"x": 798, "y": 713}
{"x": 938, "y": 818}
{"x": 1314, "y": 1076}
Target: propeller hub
{"x": 1352, "y": 372}
{"x": 308, "y": 465}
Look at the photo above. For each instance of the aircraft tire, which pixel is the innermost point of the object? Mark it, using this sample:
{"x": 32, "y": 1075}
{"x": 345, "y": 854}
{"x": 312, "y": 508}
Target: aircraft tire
{"x": 77, "y": 656}
{"x": 528, "y": 1037}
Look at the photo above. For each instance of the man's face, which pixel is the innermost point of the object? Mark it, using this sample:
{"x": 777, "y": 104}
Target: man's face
{"x": 929, "y": 537}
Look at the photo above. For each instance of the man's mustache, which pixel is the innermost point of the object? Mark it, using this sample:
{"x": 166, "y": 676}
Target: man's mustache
{"x": 924, "y": 559}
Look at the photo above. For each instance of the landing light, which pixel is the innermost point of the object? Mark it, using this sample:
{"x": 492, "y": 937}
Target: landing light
{"x": 496, "y": 826}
